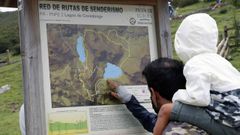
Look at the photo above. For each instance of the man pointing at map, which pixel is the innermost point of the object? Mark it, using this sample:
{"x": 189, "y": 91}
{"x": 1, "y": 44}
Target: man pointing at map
{"x": 160, "y": 75}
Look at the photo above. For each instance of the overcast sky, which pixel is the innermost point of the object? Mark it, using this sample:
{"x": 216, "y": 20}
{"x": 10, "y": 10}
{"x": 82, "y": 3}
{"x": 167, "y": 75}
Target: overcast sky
{"x": 4, "y": 9}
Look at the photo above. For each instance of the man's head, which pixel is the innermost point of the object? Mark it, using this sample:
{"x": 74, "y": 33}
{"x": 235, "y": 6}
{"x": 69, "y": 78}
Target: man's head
{"x": 164, "y": 77}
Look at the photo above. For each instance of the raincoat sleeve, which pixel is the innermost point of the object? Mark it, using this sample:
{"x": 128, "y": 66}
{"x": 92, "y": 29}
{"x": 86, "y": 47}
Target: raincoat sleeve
{"x": 197, "y": 91}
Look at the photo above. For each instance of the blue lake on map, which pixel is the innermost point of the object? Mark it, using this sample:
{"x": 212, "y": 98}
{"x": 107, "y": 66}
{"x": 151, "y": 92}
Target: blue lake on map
{"x": 81, "y": 49}
{"x": 112, "y": 71}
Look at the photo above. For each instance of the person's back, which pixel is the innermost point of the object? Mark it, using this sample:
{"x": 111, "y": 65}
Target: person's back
{"x": 222, "y": 75}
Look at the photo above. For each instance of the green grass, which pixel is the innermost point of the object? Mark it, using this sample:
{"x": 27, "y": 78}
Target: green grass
{"x": 226, "y": 19}
{"x": 194, "y": 7}
{"x": 11, "y": 100}
{"x": 235, "y": 58}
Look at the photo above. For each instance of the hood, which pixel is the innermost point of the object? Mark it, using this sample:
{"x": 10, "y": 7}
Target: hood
{"x": 197, "y": 34}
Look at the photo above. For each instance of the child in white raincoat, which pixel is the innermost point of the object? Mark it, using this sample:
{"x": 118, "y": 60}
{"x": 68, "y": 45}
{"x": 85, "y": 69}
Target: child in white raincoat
{"x": 211, "y": 100}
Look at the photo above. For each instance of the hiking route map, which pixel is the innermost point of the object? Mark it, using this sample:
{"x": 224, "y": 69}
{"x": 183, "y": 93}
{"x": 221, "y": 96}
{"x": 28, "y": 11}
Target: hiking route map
{"x": 83, "y": 57}
{"x": 82, "y": 46}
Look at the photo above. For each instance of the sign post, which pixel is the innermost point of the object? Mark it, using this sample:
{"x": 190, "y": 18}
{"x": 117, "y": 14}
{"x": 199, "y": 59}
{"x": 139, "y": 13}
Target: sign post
{"x": 69, "y": 50}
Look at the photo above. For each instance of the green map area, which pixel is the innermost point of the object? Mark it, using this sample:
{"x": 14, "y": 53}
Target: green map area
{"x": 83, "y": 57}
{"x": 67, "y": 123}
{"x": 59, "y": 128}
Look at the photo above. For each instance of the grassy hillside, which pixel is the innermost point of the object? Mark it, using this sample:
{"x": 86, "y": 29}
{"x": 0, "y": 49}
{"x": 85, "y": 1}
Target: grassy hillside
{"x": 9, "y": 36}
{"x": 11, "y": 100}
{"x": 8, "y": 18}
{"x": 224, "y": 16}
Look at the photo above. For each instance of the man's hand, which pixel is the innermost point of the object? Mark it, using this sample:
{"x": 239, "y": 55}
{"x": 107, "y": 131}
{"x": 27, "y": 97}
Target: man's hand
{"x": 113, "y": 86}
{"x": 120, "y": 92}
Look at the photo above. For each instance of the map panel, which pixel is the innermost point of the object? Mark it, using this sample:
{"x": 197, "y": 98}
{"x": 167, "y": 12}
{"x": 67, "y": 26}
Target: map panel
{"x": 83, "y": 57}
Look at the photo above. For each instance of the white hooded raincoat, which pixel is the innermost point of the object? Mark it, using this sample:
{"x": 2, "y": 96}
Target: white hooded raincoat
{"x": 205, "y": 71}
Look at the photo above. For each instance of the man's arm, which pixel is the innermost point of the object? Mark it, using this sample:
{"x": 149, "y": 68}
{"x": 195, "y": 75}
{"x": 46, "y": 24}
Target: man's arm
{"x": 146, "y": 118}
{"x": 163, "y": 119}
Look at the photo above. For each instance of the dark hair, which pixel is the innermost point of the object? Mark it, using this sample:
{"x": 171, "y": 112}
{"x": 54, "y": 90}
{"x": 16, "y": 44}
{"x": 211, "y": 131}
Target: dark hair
{"x": 165, "y": 76}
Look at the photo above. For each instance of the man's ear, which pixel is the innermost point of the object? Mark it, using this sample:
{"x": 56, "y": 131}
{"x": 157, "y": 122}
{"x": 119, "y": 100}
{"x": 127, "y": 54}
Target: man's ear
{"x": 155, "y": 93}
{"x": 151, "y": 90}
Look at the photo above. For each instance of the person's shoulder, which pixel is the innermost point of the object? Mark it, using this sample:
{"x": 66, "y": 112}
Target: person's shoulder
{"x": 203, "y": 58}
{"x": 200, "y": 62}
{"x": 195, "y": 61}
